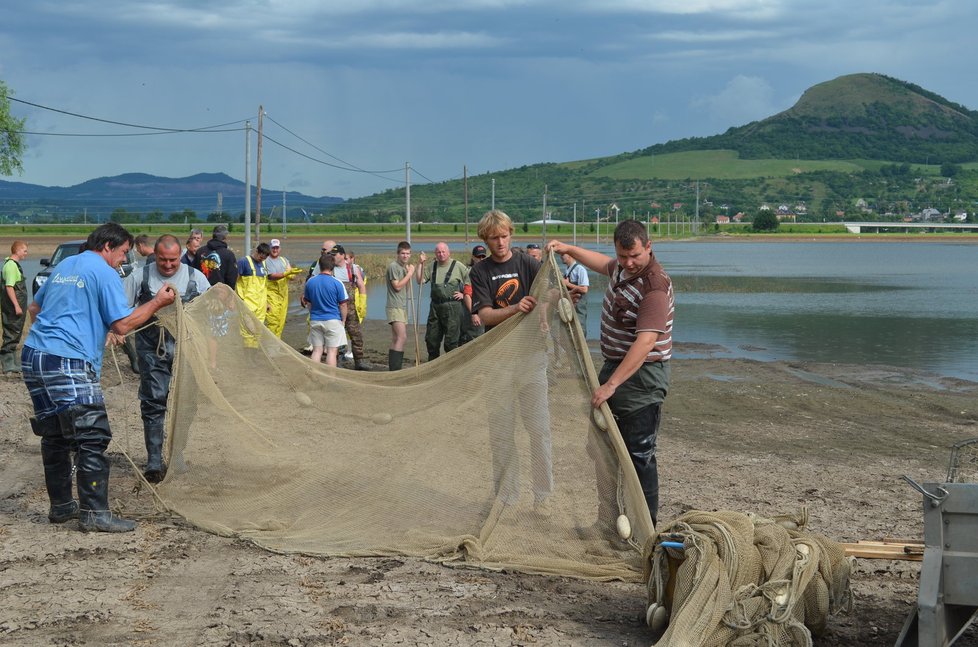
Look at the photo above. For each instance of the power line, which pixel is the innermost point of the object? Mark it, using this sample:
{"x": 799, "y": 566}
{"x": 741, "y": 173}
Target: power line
{"x": 164, "y": 132}
{"x": 324, "y": 152}
{"x": 324, "y": 162}
{"x": 123, "y": 123}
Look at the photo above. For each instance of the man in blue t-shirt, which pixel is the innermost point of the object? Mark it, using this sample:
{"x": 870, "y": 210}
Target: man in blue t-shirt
{"x": 62, "y": 362}
{"x": 328, "y": 308}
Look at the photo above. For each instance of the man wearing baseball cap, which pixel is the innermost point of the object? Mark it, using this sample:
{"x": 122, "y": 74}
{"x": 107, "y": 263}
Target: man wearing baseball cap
{"x": 471, "y": 324}
{"x": 278, "y": 268}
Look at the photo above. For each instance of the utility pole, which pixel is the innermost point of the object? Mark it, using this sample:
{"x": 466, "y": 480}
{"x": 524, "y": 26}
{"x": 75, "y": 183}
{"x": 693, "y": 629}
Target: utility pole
{"x": 407, "y": 197}
{"x": 597, "y": 225}
{"x": 284, "y": 217}
{"x": 465, "y": 184}
{"x": 493, "y": 203}
{"x": 247, "y": 187}
{"x": 575, "y": 223}
{"x": 258, "y": 181}
{"x": 696, "y": 225}
{"x": 544, "y": 231}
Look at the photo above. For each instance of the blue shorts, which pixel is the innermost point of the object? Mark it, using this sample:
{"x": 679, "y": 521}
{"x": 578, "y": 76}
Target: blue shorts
{"x": 56, "y": 383}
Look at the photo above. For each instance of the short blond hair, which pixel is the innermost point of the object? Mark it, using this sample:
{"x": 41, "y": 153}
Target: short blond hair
{"x": 17, "y": 244}
{"x": 492, "y": 221}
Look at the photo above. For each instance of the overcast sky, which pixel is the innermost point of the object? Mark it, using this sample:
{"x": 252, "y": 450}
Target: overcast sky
{"x": 492, "y": 84}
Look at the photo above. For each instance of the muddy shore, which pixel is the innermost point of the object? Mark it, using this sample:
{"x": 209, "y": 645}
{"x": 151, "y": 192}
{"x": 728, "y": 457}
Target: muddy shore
{"x": 736, "y": 435}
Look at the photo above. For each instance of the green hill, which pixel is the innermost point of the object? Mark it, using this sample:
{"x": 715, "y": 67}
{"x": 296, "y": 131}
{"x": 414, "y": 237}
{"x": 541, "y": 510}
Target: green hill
{"x": 868, "y": 116}
{"x": 863, "y": 136}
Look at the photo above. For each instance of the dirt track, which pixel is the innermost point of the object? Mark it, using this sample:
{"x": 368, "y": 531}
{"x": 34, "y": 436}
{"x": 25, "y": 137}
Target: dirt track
{"x": 736, "y": 434}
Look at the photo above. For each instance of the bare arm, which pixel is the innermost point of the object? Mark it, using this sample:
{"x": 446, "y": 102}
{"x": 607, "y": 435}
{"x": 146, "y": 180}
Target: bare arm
{"x": 344, "y": 308}
{"x": 33, "y": 309}
{"x": 594, "y": 261}
{"x": 494, "y": 316}
{"x": 399, "y": 284}
{"x": 644, "y": 343}
{"x": 164, "y": 297}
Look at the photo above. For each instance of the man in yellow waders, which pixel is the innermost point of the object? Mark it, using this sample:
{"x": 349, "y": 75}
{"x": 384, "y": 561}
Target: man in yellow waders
{"x": 279, "y": 272}
{"x": 252, "y": 288}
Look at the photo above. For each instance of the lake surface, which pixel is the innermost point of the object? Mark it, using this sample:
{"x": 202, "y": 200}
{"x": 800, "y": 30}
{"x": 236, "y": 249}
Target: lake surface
{"x": 908, "y": 304}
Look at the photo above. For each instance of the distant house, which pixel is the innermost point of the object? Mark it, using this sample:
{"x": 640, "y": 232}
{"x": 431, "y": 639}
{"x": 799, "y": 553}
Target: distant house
{"x": 931, "y": 214}
{"x": 676, "y": 206}
{"x": 800, "y": 208}
{"x": 783, "y": 209}
{"x": 861, "y": 204}
{"x": 655, "y": 220}
{"x": 960, "y": 216}
{"x": 739, "y": 216}
{"x": 840, "y": 214}
{"x": 764, "y": 207}
{"x": 723, "y": 220}
{"x": 655, "y": 205}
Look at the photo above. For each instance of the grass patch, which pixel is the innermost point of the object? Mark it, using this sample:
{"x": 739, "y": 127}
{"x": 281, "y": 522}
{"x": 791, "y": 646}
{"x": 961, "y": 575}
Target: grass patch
{"x": 716, "y": 164}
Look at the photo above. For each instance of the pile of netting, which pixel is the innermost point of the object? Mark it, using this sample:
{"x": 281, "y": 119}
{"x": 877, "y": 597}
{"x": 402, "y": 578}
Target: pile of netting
{"x": 487, "y": 456}
{"x": 725, "y": 578}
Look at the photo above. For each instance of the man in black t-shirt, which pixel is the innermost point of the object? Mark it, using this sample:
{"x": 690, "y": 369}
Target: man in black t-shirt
{"x": 500, "y": 289}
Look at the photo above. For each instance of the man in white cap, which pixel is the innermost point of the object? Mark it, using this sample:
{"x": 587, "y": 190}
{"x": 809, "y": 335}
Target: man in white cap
{"x": 278, "y": 268}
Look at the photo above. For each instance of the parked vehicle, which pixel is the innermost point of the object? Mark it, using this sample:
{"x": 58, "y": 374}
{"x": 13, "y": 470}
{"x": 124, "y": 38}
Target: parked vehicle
{"x": 71, "y": 248}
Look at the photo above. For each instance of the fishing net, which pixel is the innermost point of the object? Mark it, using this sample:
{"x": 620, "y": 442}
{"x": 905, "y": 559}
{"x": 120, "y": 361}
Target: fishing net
{"x": 488, "y": 456}
{"x": 726, "y": 578}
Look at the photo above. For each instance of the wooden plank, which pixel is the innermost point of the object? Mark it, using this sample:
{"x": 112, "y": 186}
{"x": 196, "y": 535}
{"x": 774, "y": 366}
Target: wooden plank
{"x": 879, "y": 550}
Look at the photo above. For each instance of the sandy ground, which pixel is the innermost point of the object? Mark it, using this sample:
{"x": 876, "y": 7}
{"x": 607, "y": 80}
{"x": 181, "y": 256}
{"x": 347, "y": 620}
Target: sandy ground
{"x": 736, "y": 435}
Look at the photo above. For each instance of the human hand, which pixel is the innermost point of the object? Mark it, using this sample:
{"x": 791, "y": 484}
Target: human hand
{"x": 526, "y": 304}
{"x": 166, "y": 295}
{"x": 476, "y": 321}
{"x": 576, "y": 292}
{"x": 458, "y": 296}
{"x": 601, "y": 395}
{"x": 556, "y": 247}
{"x": 409, "y": 268}
{"x": 114, "y": 339}
{"x": 422, "y": 257}
{"x": 17, "y": 310}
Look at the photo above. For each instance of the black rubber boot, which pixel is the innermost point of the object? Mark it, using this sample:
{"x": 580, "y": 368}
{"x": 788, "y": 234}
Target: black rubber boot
{"x": 361, "y": 365}
{"x": 155, "y": 468}
{"x": 94, "y": 515}
{"x": 56, "y": 456}
{"x": 395, "y": 358}
{"x": 88, "y": 426}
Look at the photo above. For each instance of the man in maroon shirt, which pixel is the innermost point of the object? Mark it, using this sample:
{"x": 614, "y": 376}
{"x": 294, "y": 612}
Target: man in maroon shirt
{"x": 636, "y": 343}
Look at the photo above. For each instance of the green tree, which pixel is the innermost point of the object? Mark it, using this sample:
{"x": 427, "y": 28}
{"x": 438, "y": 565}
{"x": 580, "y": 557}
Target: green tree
{"x": 11, "y": 139}
{"x": 765, "y": 221}
{"x": 949, "y": 170}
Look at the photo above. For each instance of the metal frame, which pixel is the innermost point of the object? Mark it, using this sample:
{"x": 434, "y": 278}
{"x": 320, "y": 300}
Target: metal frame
{"x": 948, "y": 598}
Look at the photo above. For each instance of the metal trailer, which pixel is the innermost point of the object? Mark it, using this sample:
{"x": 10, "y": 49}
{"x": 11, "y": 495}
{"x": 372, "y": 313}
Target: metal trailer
{"x": 948, "y": 598}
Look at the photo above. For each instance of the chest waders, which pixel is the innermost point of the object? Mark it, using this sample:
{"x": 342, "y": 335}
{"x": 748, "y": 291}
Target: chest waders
{"x": 13, "y": 324}
{"x": 253, "y": 290}
{"x": 445, "y": 314}
{"x": 278, "y": 302}
{"x": 155, "y": 347}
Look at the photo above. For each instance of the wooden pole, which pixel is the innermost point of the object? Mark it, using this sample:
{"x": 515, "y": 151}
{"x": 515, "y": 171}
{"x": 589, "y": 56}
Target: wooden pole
{"x": 261, "y": 112}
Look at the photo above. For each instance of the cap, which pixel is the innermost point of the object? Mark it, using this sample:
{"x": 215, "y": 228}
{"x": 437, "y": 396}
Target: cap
{"x": 337, "y": 249}
{"x": 479, "y": 250}
{"x": 532, "y": 246}
{"x": 275, "y": 242}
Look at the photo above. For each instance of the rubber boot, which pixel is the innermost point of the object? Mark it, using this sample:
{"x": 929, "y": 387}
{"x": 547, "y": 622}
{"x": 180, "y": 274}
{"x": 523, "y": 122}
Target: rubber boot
{"x": 395, "y": 358}
{"x": 94, "y": 515}
{"x": 361, "y": 365}
{"x": 56, "y": 456}
{"x": 155, "y": 468}
{"x": 8, "y": 363}
{"x": 87, "y": 425}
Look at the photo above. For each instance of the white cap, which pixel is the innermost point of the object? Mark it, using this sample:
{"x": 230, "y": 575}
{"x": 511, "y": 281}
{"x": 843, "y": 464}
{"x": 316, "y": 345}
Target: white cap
{"x": 275, "y": 242}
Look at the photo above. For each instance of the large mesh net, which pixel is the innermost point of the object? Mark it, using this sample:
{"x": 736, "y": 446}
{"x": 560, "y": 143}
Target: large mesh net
{"x": 487, "y": 456}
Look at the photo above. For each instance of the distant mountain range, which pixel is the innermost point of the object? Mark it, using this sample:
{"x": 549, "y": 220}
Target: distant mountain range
{"x": 865, "y": 136}
{"x": 145, "y": 193}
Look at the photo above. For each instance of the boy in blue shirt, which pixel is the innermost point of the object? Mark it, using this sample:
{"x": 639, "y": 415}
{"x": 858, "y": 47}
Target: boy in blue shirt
{"x": 328, "y": 307}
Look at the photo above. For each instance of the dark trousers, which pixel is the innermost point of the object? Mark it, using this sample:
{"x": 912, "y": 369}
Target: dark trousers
{"x": 639, "y": 431}
{"x": 13, "y": 325}
{"x": 444, "y": 324}
{"x": 155, "y": 370}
